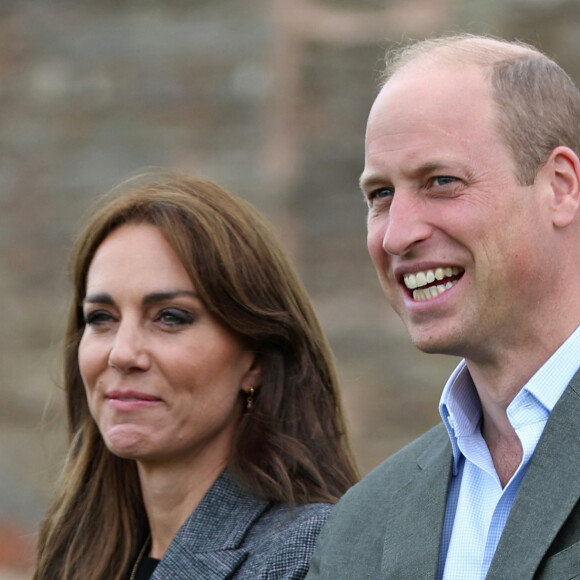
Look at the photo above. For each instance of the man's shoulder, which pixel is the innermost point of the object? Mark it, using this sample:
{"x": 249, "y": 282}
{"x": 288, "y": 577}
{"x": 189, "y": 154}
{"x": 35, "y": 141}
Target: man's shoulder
{"x": 436, "y": 437}
{"x": 351, "y": 543}
{"x": 370, "y": 496}
{"x": 397, "y": 467}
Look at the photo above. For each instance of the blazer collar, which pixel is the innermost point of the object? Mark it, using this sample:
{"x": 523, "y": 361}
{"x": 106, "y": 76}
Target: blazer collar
{"x": 415, "y": 524}
{"x": 208, "y": 544}
{"x": 547, "y": 495}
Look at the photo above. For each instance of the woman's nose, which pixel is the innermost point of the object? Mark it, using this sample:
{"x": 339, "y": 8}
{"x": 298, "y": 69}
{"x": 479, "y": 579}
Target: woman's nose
{"x": 128, "y": 352}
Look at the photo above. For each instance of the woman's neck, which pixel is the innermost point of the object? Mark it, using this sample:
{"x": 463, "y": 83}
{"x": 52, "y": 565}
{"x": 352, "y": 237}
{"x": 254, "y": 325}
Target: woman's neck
{"x": 171, "y": 492}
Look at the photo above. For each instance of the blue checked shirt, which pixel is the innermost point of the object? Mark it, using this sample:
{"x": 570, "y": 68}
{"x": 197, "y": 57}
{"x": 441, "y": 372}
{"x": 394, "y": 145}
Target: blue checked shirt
{"x": 477, "y": 506}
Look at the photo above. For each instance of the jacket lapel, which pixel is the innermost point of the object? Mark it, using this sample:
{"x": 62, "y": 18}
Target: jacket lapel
{"x": 217, "y": 565}
{"x": 547, "y": 495}
{"x": 208, "y": 544}
{"x": 413, "y": 532}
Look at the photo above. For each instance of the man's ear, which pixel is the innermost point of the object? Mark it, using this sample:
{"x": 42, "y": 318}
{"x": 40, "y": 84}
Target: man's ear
{"x": 563, "y": 167}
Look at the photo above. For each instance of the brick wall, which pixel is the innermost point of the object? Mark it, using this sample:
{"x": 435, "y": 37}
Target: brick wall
{"x": 268, "y": 98}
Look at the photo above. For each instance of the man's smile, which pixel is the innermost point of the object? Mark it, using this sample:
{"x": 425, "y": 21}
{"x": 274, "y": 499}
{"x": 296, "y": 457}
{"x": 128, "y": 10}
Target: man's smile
{"x": 431, "y": 283}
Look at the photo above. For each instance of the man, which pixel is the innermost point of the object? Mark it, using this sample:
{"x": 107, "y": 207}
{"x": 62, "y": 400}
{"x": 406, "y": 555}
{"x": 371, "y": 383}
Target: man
{"x": 472, "y": 180}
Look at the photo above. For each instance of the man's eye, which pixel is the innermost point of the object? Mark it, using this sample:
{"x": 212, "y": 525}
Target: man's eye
{"x": 383, "y": 192}
{"x": 443, "y": 180}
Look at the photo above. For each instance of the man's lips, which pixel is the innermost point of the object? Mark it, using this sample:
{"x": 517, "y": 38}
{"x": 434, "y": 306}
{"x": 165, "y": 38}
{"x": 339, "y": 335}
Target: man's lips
{"x": 428, "y": 284}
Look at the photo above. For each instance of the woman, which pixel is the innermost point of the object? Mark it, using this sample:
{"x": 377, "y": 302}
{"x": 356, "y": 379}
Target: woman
{"x": 207, "y": 437}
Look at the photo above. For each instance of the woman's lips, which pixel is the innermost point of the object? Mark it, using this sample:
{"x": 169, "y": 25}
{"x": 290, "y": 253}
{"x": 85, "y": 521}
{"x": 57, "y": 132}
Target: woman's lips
{"x": 128, "y": 400}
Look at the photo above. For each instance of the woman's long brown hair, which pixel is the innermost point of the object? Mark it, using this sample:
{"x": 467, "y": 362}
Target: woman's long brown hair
{"x": 292, "y": 447}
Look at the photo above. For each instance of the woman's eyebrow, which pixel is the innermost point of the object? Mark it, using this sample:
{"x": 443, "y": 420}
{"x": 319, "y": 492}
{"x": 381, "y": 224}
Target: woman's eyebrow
{"x": 101, "y": 298}
{"x": 148, "y": 300}
{"x": 156, "y": 297}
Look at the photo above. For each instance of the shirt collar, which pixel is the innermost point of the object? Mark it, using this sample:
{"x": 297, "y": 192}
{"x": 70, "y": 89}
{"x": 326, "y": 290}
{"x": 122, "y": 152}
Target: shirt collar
{"x": 552, "y": 378}
{"x": 460, "y": 408}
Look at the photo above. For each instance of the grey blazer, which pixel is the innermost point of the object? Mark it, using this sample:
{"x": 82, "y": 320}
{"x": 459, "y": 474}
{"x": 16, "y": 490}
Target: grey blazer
{"x": 234, "y": 535}
{"x": 390, "y": 524}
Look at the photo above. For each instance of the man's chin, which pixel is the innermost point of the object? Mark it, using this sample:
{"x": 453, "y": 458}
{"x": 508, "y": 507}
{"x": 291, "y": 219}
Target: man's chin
{"x": 434, "y": 343}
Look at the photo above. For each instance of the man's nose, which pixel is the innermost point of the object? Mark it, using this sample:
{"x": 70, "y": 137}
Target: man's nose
{"x": 128, "y": 352}
{"x": 406, "y": 225}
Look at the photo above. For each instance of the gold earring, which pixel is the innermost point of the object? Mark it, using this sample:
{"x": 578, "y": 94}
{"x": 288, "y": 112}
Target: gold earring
{"x": 250, "y": 399}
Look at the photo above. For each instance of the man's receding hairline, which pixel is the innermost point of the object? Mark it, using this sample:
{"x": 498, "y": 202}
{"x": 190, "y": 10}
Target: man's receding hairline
{"x": 462, "y": 49}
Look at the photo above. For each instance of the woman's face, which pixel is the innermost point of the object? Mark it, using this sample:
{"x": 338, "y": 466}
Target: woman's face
{"x": 162, "y": 377}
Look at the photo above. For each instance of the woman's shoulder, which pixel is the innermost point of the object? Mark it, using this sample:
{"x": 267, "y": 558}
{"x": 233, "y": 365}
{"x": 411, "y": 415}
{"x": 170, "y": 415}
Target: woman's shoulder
{"x": 281, "y": 541}
{"x": 286, "y": 518}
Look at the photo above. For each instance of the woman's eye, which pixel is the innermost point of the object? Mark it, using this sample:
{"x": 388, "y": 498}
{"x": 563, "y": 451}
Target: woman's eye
{"x": 174, "y": 317}
{"x": 97, "y": 318}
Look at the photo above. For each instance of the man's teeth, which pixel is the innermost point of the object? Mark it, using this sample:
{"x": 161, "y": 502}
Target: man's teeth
{"x": 416, "y": 281}
{"x": 432, "y": 291}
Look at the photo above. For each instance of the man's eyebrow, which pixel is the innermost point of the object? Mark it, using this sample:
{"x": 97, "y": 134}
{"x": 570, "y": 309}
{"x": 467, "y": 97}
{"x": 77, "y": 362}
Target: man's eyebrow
{"x": 371, "y": 180}
{"x": 429, "y": 166}
{"x": 366, "y": 182}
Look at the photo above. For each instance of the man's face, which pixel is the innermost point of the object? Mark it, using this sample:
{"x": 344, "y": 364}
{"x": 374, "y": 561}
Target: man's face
{"x": 455, "y": 239}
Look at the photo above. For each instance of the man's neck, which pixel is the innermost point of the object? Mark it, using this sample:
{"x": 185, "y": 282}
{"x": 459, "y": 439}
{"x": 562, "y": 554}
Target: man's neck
{"x": 497, "y": 382}
{"x": 504, "y": 445}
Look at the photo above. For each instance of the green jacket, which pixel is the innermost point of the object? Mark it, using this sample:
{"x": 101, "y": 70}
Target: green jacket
{"x": 389, "y": 526}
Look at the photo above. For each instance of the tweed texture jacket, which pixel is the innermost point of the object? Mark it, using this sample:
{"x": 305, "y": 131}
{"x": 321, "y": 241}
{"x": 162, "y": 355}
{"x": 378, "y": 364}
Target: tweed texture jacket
{"x": 390, "y": 524}
{"x": 232, "y": 535}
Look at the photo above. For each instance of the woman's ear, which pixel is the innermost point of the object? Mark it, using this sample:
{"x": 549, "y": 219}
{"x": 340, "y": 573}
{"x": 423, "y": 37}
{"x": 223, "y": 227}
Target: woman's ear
{"x": 563, "y": 168}
{"x": 253, "y": 376}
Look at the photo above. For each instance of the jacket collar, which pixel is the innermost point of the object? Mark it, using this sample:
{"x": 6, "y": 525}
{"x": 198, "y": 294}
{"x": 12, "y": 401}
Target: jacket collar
{"x": 534, "y": 522}
{"x": 547, "y": 495}
{"x": 415, "y": 526}
{"x": 208, "y": 544}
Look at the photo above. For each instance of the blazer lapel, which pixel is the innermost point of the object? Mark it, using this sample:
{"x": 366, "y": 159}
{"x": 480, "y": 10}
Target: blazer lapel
{"x": 413, "y": 532}
{"x": 547, "y": 495}
{"x": 208, "y": 544}
{"x": 217, "y": 565}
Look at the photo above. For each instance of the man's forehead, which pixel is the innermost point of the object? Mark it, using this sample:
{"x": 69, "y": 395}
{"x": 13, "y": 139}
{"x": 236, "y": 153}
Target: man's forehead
{"x": 429, "y": 118}
{"x": 434, "y": 74}
{"x": 429, "y": 90}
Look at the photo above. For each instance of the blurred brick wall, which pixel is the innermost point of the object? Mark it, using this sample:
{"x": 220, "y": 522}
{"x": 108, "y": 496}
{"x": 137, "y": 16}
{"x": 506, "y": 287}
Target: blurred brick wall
{"x": 268, "y": 98}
